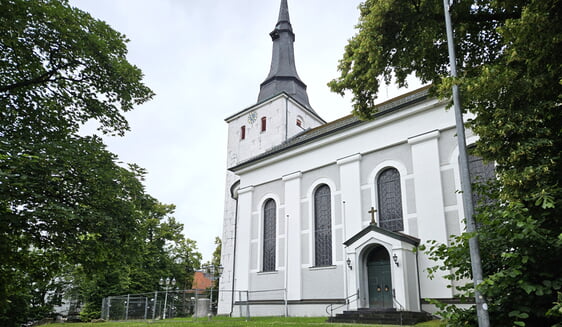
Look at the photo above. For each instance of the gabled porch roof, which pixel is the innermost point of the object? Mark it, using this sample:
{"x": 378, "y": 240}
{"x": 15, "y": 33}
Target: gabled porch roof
{"x": 376, "y": 229}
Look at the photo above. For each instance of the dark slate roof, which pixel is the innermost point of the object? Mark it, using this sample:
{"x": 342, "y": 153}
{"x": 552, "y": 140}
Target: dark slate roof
{"x": 283, "y": 75}
{"x": 374, "y": 228}
{"x": 337, "y": 126}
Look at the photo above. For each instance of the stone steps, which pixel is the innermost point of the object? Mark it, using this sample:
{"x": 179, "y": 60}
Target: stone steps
{"x": 383, "y": 317}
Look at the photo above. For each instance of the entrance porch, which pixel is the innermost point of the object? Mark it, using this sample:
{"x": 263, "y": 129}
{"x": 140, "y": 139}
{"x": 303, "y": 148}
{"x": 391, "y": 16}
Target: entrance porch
{"x": 382, "y": 267}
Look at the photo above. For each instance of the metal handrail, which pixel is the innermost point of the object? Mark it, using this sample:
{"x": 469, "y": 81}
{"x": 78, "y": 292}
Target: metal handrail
{"x": 347, "y": 302}
{"x": 401, "y": 306}
{"x": 395, "y": 300}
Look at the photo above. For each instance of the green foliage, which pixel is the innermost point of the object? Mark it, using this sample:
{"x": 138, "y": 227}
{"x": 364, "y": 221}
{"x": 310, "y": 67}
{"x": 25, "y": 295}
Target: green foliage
{"x": 556, "y": 310}
{"x": 510, "y": 72}
{"x": 217, "y": 253}
{"x": 216, "y": 260}
{"x": 60, "y": 67}
{"x": 186, "y": 259}
{"x": 73, "y": 220}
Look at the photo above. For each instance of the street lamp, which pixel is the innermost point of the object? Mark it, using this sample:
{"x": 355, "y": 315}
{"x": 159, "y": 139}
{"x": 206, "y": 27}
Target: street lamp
{"x": 212, "y": 272}
{"x": 167, "y": 284}
{"x": 474, "y": 248}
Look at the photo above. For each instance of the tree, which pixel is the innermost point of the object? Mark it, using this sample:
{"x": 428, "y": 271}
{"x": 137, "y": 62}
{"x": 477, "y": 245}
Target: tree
{"x": 160, "y": 251}
{"x": 60, "y": 68}
{"x": 216, "y": 260}
{"x": 510, "y": 78}
{"x": 64, "y": 200}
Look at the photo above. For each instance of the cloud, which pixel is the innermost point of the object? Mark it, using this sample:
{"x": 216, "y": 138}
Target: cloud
{"x": 205, "y": 59}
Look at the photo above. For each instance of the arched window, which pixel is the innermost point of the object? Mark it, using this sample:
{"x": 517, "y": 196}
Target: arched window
{"x": 390, "y": 200}
{"x": 243, "y": 132}
{"x": 269, "y": 222}
{"x": 263, "y": 124}
{"x": 480, "y": 173}
{"x": 323, "y": 226}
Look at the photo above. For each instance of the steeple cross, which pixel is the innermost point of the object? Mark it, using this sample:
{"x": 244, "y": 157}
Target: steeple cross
{"x": 372, "y": 212}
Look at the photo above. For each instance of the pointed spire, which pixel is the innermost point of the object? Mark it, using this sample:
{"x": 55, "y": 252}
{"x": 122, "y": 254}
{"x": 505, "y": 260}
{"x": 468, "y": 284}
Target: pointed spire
{"x": 284, "y": 14}
{"x": 283, "y": 75}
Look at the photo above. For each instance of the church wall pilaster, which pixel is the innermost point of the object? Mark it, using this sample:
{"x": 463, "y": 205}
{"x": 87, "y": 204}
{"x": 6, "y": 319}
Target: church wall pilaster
{"x": 241, "y": 278}
{"x": 293, "y": 236}
{"x": 228, "y": 243}
{"x": 429, "y": 206}
{"x": 350, "y": 181}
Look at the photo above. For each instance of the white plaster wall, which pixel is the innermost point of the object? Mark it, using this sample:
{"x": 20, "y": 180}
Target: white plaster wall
{"x": 227, "y": 253}
{"x": 296, "y": 112}
{"x": 256, "y": 141}
{"x": 350, "y": 179}
{"x": 293, "y": 239}
{"x": 281, "y": 113}
{"x": 424, "y": 168}
{"x": 301, "y": 310}
{"x": 267, "y": 282}
{"x": 379, "y": 134}
{"x": 429, "y": 207}
{"x": 323, "y": 282}
{"x": 241, "y": 278}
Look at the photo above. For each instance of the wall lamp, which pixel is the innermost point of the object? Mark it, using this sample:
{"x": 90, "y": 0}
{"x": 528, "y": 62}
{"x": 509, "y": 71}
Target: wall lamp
{"x": 348, "y": 261}
{"x": 395, "y": 258}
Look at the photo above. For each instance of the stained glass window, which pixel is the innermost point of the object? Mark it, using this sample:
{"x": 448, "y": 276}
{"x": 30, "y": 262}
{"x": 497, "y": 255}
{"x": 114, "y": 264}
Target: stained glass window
{"x": 269, "y": 221}
{"x": 480, "y": 173}
{"x": 323, "y": 226}
{"x": 390, "y": 200}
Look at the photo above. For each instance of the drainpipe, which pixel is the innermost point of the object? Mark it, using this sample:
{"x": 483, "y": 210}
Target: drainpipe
{"x": 345, "y": 267}
{"x": 286, "y": 118}
{"x": 286, "y": 264}
{"x": 234, "y": 257}
{"x": 418, "y": 275}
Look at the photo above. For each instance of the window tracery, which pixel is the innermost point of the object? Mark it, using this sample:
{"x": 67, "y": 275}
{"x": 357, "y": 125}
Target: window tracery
{"x": 323, "y": 226}
{"x": 390, "y": 200}
{"x": 269, "y": 234}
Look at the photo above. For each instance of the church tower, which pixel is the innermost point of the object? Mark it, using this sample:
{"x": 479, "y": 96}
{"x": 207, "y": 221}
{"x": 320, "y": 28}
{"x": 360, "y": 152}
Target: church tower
{"x": 281, "y": 112}
{"x": 283, "y": 75}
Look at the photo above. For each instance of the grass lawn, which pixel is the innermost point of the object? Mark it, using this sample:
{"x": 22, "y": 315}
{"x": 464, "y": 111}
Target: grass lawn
{"x": 233, "y": 322}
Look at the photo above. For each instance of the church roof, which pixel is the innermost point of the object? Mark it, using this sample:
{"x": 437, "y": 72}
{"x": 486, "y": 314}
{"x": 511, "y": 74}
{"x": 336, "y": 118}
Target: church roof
{"x": 337, "y": 126}
{"x": 283, "y": 75}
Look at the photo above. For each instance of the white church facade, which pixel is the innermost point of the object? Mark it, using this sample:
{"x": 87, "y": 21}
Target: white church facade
{"x": 323, "y": 213}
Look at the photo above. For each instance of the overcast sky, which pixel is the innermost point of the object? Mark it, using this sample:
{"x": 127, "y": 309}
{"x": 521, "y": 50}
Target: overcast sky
{"x": 205, "y": 59}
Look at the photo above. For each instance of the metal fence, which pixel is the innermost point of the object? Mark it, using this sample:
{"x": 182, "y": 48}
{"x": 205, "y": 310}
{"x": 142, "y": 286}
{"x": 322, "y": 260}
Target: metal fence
{"x": 160, "y": 305}
{"x": 190, "y": 304}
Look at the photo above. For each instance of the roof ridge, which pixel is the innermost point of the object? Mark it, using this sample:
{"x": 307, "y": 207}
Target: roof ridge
{"x": 341, "y": 123}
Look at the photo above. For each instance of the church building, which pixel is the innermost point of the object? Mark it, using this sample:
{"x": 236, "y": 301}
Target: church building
{"x": 328, "y": 215}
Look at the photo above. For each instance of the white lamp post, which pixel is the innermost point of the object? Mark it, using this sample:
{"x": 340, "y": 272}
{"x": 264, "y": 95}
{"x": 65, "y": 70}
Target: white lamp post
{"x": 167, "y": 284}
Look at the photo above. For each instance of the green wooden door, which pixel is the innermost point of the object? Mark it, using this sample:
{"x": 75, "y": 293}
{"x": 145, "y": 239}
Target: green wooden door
{"x": 379, "y": 279}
